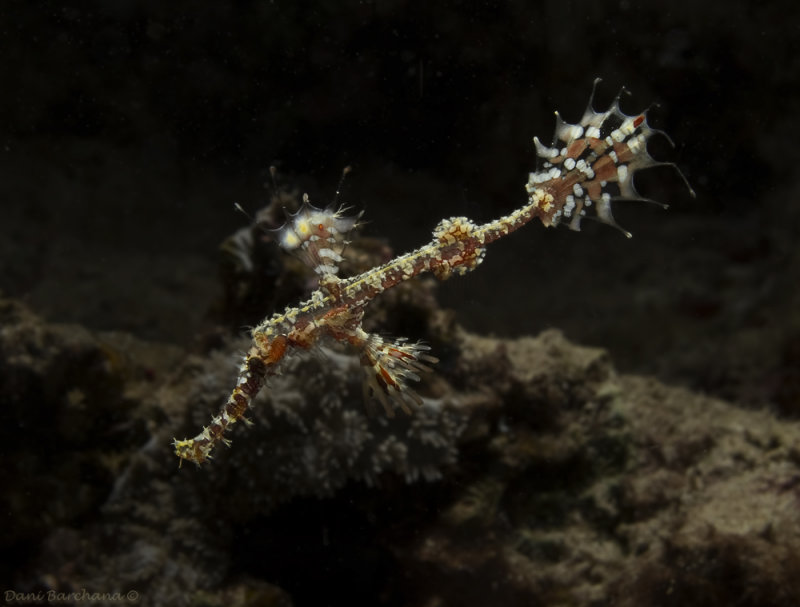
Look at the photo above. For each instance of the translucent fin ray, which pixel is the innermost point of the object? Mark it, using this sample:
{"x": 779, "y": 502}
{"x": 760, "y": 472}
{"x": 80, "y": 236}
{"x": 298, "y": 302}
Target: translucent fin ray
{"x": 592, "y": 163}
{"x": 389, "y": 366}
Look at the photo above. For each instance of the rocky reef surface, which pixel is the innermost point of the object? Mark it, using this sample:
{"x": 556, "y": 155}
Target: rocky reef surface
{"x": 534, "y": 474}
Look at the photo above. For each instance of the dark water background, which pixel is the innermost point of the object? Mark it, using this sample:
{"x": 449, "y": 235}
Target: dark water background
{"x": 130, "y": 128}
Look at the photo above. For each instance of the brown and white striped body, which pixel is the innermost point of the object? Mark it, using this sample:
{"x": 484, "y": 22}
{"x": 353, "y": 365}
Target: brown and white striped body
{"x": 589, "y": 165}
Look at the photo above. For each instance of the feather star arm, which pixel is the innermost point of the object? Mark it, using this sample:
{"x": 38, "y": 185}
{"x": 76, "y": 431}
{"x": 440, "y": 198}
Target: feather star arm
{"x": 589, "y": 165}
